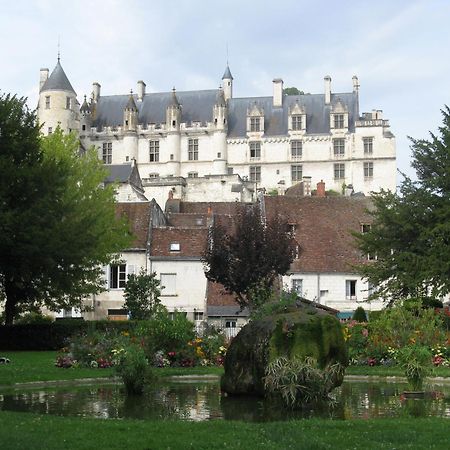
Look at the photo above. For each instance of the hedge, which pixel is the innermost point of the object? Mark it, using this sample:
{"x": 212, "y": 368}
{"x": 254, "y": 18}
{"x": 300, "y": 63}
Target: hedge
{"x": 54, "y": 335}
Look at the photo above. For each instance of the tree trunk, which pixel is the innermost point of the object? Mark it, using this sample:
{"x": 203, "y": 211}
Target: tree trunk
{"x": 11, "y": 301}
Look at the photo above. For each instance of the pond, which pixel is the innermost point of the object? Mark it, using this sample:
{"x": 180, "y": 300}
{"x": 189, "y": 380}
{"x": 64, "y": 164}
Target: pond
{"x": 197, "y": 401}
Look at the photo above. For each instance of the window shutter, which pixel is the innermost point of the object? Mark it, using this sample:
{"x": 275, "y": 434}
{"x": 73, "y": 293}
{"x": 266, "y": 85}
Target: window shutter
{"x": 347, "y": 288}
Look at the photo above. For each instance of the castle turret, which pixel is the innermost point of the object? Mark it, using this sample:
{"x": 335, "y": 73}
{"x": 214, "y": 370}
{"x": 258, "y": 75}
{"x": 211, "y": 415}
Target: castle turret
{"x": 227, "y": 80}
{"x": 173, "y": 119}
{"x": 58, "y": 105}
{"x": 220, "y": 115}
{"x": 85, "y": 117}
{"x": 130, "y": 123}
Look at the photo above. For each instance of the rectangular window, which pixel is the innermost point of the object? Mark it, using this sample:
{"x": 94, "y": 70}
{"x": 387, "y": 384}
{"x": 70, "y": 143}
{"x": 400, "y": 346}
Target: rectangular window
{"x": 338, "y": 120}
{"x": 255, "y": 173}
{"x": 107, "y": 153}
{"x": 368, "y": 145}
{"x": 255, "y": 124}
{"x": 296, "y": 122}
{"x": 153, "y": 151}
{"x": 175, "y": 247}
{"x": 68, "y": 102}
{"x": 117, "y": 276}
{"x": 339, "y": 147}
{"x": 296, "y": 173}
{"x": 297, "y": 286}
{"x": 230, "y": 323}
{"x": 153, "y": 175}
{"x": 50, "y": 130}
{"x": 198, "y": 315}
{"x": 193, "y": 175}
{"x": 47, "y": 102}
{"x": 255, "y": 150}
{"x": 365, "y": 227}
{"x": 168, "y": 283}
{"x": 296, "y": 149}
{"x": 230, "y": 171}
{"x": 368, "y": 169}
{"x": 350, "y": 289}
{"x": 193, "y": 150}
{"x": 339, "y": 171}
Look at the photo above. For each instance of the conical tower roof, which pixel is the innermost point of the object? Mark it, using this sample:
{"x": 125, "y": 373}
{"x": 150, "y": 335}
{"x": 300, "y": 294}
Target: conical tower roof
{"x": 85, "y": 107}
{"x": 174, "y": 99}
{"x": 227, "y": 73}
{"x": 131, "y": 105}
{"x": 58, "y": 81}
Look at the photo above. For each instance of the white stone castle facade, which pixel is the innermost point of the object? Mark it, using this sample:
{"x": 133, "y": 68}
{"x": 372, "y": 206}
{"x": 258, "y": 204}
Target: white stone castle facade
{"x": 184, "y": 141}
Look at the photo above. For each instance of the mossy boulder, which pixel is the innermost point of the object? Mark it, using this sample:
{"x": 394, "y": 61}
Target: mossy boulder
{"x": 298, "y": 332}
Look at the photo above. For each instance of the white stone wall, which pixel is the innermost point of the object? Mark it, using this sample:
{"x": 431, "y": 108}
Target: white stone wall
{"x": 58, "y": 114}
{"x": 330, "y": 289}
{"x": 190, "y": 285}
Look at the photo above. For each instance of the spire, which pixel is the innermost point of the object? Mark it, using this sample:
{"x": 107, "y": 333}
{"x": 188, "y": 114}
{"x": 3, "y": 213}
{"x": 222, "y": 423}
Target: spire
{"x": 85, "y": 107}
{"x": 131, "y": 105}
{"x": 227, "y": 73}
{"x": 220, "y": 98}
{"x": 173, "y": 99}
{"x": 58, "y": 80}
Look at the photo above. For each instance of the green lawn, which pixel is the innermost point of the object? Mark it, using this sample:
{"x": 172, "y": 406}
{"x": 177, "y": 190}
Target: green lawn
{"x": 39, "y": 366}
{"x": 30, "y": 431}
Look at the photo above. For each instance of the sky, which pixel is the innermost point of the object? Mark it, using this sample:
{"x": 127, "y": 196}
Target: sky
{"x": 398, "y": 49}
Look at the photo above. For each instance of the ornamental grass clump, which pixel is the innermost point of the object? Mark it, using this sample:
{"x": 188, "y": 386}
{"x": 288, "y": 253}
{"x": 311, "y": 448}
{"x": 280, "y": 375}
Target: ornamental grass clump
{"x": 134, "y": 369}
{"x": 416, "y": 360}
{"x": 300, "y": 381}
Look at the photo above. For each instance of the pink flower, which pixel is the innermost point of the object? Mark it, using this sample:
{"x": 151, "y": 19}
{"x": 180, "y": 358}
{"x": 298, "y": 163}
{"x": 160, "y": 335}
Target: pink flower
{"x": 365, "y": 332}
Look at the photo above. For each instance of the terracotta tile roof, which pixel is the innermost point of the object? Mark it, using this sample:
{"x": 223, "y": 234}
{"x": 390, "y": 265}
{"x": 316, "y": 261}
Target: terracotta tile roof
{"x": 187, "y": 220}
{"x": 217, "y": 296}
{"x": 323, "y": 230}
{"x": 138, "y": 216}
{"x": 192, "y": 241}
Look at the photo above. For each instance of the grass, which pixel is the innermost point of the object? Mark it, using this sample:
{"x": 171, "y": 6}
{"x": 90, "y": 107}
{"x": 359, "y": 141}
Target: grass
{"x": 31, "y": 431}
{"x": 39, "y": 366}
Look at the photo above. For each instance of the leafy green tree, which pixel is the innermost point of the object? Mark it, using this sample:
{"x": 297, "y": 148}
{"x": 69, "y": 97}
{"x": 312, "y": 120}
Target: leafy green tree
{"x": 292, "y": 91}
{"x": 142, "y": 293}
{"x": 57, "y": 220}
{"x": 410, "y": 233}
{"x": 247, "y": 261}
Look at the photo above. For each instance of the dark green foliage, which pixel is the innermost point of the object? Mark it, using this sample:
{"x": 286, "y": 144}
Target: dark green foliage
{"x": 141, "y": 294}
{"x": 33, "y": 317}
{"x": 360, "y": 315}
{"x": 292, "y": 91}
{"x": 57, "y": 222}
{"x": 248, "y": 261}
{"x": 293, "y": 334}
{"x": 52, "y": 336}
{"x": 410, "y": 234}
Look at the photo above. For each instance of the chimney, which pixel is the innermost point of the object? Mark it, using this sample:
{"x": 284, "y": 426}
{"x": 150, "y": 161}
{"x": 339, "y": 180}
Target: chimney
{"x": 96, "y": 91}
{"x": 307, "y": 186}
{"x": 327, "y": 80}
{"x": 43, "y": 77}
{"x": 277, "y": 92}
{"x": 140, "y": 90}
{"x": 355, "y": 84}
{"x": 320, "y": 189}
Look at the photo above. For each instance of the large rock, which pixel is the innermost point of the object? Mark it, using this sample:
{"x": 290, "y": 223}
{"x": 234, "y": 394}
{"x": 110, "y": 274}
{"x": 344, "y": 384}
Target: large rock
{"x": 299, "y": 332}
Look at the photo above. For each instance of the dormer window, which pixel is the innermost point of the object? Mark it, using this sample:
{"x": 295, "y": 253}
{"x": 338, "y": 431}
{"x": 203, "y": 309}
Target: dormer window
{"x": 255, "y": 124}
{"x": 339, "y": 116}
{"x": 296, "y": 123}
{"x": 297, "y": 117}
{"x": 338, "y": 120}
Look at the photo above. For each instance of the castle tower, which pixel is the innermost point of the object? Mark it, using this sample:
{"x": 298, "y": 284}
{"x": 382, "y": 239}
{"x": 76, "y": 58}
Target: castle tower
{"x": 227, "y": 80}
{"x": 173, "y": 119}
{"x": 130, "y": 123}
{"x": 85, "y": 118}
{"x": 58, "y": 105}
{"x": 220, "y": 118}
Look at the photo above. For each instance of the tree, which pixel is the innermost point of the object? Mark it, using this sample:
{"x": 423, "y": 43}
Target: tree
{"x": 248, "y": 261}
{"x": 292, "y": 91}
{"x": 57, "y": 221}
{"x": 410, "y": 233}
{"x": 142, "y": 293}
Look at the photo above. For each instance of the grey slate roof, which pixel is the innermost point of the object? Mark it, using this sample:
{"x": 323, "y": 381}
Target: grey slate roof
{"x": 57, "y": 81}
{"x": 227, "y": 73}
{"x": 85, "y": 107}
{"x": 198, "y": 106}
{"x": 119, "y": 173}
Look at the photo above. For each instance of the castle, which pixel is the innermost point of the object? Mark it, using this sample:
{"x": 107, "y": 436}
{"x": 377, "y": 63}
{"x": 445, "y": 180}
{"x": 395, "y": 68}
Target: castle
{"x": 207, "y": 142}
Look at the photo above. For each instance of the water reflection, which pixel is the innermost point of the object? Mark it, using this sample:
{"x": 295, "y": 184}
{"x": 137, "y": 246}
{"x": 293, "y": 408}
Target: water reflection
{"x": 203, "y": 401}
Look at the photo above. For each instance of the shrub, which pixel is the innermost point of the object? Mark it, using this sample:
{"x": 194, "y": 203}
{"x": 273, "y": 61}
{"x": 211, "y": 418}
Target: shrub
{"x": 300, "y": 381}
{"x": 33, "y": 317}
{"x": 134, "y": 369}
{"x": 416, "y": 360}
{"x": 359, "y": 315}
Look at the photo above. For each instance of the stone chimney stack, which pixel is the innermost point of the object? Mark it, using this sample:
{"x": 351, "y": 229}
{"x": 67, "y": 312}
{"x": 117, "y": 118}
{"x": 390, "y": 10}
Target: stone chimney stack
{"x": 277, "y": 92}
{"x": 96, "y": 91}
{"x": 327, "y": 80}
{"x": 320, "y": 189}
{"x": 43, "y": 77}
{"x": 140, "y": 90}
{"x": 307, "y": 186}
{"x": 355, "y": 84}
